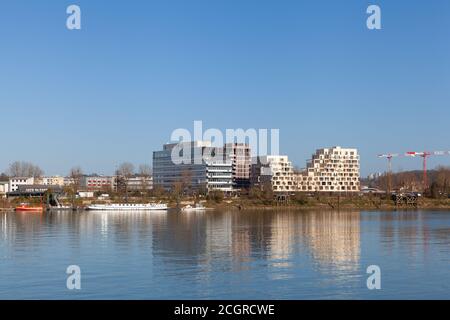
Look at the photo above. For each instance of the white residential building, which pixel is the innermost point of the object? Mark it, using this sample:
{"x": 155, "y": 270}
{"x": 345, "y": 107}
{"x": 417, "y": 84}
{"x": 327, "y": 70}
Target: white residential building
{"x": 69, "y": 181}
{"x": 50, "y": 181}
{"x": 85, "y": 194}
{"x": 219, "y": 176}
{"x": 276, "y": 170}
{"x": 15, "y": 182}
{"x": 4, "y": 188}
{"x": 331, "y": 170}
{"x": 139, "y": 183}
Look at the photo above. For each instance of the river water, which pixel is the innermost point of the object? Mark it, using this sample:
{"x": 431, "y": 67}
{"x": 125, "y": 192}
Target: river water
{"x": 225, "y": 255}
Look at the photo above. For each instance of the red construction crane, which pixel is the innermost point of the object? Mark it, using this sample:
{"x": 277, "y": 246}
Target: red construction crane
{"x": 425, "y": 155}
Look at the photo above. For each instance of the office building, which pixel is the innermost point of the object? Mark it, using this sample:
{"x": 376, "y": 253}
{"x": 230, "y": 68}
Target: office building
{"x": 202, "y": 167}
{"x": 239, "y": 154}
{"x": 97, "y": 183}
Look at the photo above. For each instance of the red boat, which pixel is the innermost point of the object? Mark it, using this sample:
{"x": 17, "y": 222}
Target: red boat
{"x": 27, "y": 208}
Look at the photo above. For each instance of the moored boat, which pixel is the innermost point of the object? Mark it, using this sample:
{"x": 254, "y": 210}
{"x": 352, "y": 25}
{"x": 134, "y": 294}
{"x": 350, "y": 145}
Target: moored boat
{"x": 60, "y": 208}
{"x": 128, "y": 207}
{"x": 197, "y": 207}
{"x": 28, "y": 208}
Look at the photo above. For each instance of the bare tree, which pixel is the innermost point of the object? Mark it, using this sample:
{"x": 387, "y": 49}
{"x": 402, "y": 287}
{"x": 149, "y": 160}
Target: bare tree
{"x": 75, "y": 174}
{"x": 177, "y": 191}
{"x": 126, "y": 169}
{"x": 125, "y": 172}
{"x": 442, "y": 180}
{"x": 24, "y": 169}
{"x": 186, "y": 181}
{"x": 145, "y": 172}
{"x": 158, "y": 191}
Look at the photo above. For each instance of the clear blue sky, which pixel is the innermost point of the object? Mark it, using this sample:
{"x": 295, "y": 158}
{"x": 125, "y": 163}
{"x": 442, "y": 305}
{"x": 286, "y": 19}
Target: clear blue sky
{"x": 137, "y": 70}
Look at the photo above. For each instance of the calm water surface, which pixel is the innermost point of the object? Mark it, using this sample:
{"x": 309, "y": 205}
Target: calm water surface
{"x": 225, "y": 255}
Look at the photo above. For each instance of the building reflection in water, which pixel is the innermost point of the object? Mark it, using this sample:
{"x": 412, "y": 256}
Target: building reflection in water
{"x": 284, "y": 231}
{"x": 5, "y": 227}
{"x": 232, "y": 240}
{"x": 334, "y": 239}
{"x": 228, "y": 241}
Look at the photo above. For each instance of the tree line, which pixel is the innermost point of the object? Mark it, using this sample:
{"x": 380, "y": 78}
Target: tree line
{"x": 438, "y": 180}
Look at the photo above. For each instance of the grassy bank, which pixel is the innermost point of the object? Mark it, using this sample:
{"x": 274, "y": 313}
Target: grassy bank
{"x": 300, "y": 202}
{"x": 327, "y": 203}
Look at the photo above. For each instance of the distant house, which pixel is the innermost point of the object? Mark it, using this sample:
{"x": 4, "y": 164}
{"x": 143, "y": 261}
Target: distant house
{"x": 4, "y": 188}
{"x": 85, "y": 194}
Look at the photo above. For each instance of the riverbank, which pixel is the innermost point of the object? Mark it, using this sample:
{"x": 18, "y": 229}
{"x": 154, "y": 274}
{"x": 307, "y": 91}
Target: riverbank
{"x": 307, "y": 203}
{"x": 331, "y": 203}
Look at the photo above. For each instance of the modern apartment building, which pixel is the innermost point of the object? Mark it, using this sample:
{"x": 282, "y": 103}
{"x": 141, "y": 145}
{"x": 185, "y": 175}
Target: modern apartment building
{"x": 15, "y": 182}
{"x": 276, "y": 171}
{"x": 239, "y": 154}
{"x": 331, "y": 170}
{"x": 202, "y": 167}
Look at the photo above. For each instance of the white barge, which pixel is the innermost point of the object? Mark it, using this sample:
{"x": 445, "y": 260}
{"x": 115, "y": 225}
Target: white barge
{"x": 128, "y": 207}
{"x": 197, "y": 207}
